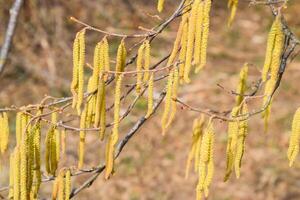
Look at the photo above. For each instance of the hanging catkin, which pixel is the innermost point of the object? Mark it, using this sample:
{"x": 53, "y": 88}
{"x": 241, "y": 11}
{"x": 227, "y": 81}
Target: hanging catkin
{"x": 147, "y": 57}
{"x": 232, "y": 5}
{"x": 233, "y": 131}
{"x": 293, "y": 149}
{"x": 190, "y": 40}
{"x": 196, "y": 140}
{"x": 174, "y": 97}
{"x": 198, "y": 36}
{"x": 67, "y": 185}
{"x": 168, "y": 102}
{"x": 267, "y": 101}
{"x": 82, "y": 135}
{"x": 150, "y": 95}
{"x": 242, "y": 86}
{"x": 205, "y": 33}
{"x": 11, "y": 176}
{"x": 241, "y": 138}
{"x": 206, "y": 163}
{"x": 17, "y": 171}
{"x": 274, "y": 48}
{"x": 113, "y": 138}
{"x": 182, "y": 52}
{"x": 18, "y": 128}
{"x": 160, "y": 5}
{"x": 77, "y": 84}
{"x": 4, "y": 132}
{"x": 24, "y": 168}
{"x": 61, "y": 185}
{"x": 139, "y": 67}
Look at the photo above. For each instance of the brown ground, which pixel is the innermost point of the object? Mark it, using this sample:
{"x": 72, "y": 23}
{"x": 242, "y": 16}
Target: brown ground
{"x": 152, "y": 166}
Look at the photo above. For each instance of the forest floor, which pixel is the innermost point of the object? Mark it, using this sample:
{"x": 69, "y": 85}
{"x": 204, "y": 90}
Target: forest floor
{"x": 152, "y": 167}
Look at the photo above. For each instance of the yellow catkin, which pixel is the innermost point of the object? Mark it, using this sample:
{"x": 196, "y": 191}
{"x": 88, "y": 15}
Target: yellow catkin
{"x": 268, "y": 92}
{"x": 101, "y": 109}
{"x": 232, "y": 5}
{"x": 51, "y": 143}
{"x": 4, "y": 132}
{"x": 206, "y": 165}
{"x": 196, "y": 139}
{"x": 177, "y": 42}
{"x": 293, "y": 149}
{"x": 121, "y": 57}
{"x": 168, "y": 102}
{"x": 275, "y": 31}
{"x": 240, "y": 148}
{"x": 74, "y": 83}
{"x": 139, "y": 66}
{"x": 36, "y": 158}
{"x": 114, "y": 137}
{"x": 90, "y": 106}
{"x": 106, "y": 56}
{"x": 160, "y": 5}
{"x": 55, "y": 189}
{"x": 82, "y": 135}
{"x": 150, "y": 95}
{"x": 233, "y": 128}
{"x": 182, "y": 52}
{"x": 24, "y": 169}
{"x": 198, "y": 36}
{"x": 190, "y": 40}
{"x": 81, "y": 64}
{"x": 11, "y": 176}
{"x": 174, "y": 97}
{"x": 205, "y": 33}
{"x": 242, "y": 86}
{"x": 147, "y": 57}
{"x": 68, "y": 185}
{"x": 17, "y": 171}
{"x": 63, "y": 141}
{"x": 18, "y": 128}
{"x": 61, "y": 185}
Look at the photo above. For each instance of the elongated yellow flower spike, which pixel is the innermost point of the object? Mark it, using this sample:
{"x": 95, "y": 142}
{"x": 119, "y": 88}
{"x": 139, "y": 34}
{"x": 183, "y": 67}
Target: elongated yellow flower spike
{"x": 233, "y": 130}
{"x": 147, "y": 57}
{"x": 232, "y": 5}
{"x": 168, "y": 101}
{"x": 61, "y": 185}
{"x": 106, "y": 57}
{"x": 268, "y": 92}
{"x": 205, "y": 33}
{"x": 150, "y": 95}
{"x": 67, "y": 185}
{"x": 182, "y": 53}
{"x": 24, "y": 168}
{"x": 82, "y": 138}
{"x": 160, "y": 5}
{"x": 11, "y": 175}
{"x": 121, "y": 57}
{"x": 114, "y": 137}
{"x": 293, "y": 149}
{"x": 55, "y": 189}
{"x": 242, "y": 86}
{"x": 4, "y": 132}
{"x": 196, "y": 137}
{"x": 174, "y": 97}
{"x": 206, "y": 163}
{"x": 190, "y": 40}
{"x": 17, "y": 170}
{"x": 74, "y": 83}
{"x": 139, "y": 66}
{"x": 276, "y": 31}
{"x": 198, "y": 36}
{"x": 240, "y": 148}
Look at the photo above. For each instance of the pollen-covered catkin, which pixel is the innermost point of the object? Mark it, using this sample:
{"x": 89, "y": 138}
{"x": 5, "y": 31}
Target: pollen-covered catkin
{"x": 147, "y": 57}
{"x": 63, "y": 141}
{"x": 233, "y": 130}
{"x": 139, "y": 66}
{"x": 182, "y": 52}
{"x": 160, "y": 5}
{"x": 293, "y": 149}
{"x": 114, "y": 136}
{"x": 242, "y": 86}
{"x": 17, "y": 171}
{"x": 267, "y": 102}
{"x": 206, "y": 163}
{"x": 150, "y": 95}
{"x": 11, "y": 176}
{"x": 198, "y": 36}
{"x": 24, "y": 168}
{"x": 168, "y": 102}
{"x": 80, "y": 68}
{"x": 61, "y": 185}
{"x": 232, "y": 5}
{"x": 174, "y": 97}
{"x": 106, "y": 56}
{"x": 190, "y": 40}
{"x": 274, "y": 48}
{"x": 82, "y": 135}
{"x": 121, "y": 57}
{"x": 205, "y": 33}
{"x": 68, "y": 185}
{"x": 196, "y": 137}
{"x": 4, "y": 132}
{"x": 240, "y": 146}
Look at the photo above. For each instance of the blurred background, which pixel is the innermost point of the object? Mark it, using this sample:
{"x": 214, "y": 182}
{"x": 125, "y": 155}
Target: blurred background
{"x": 151, "y": 166}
